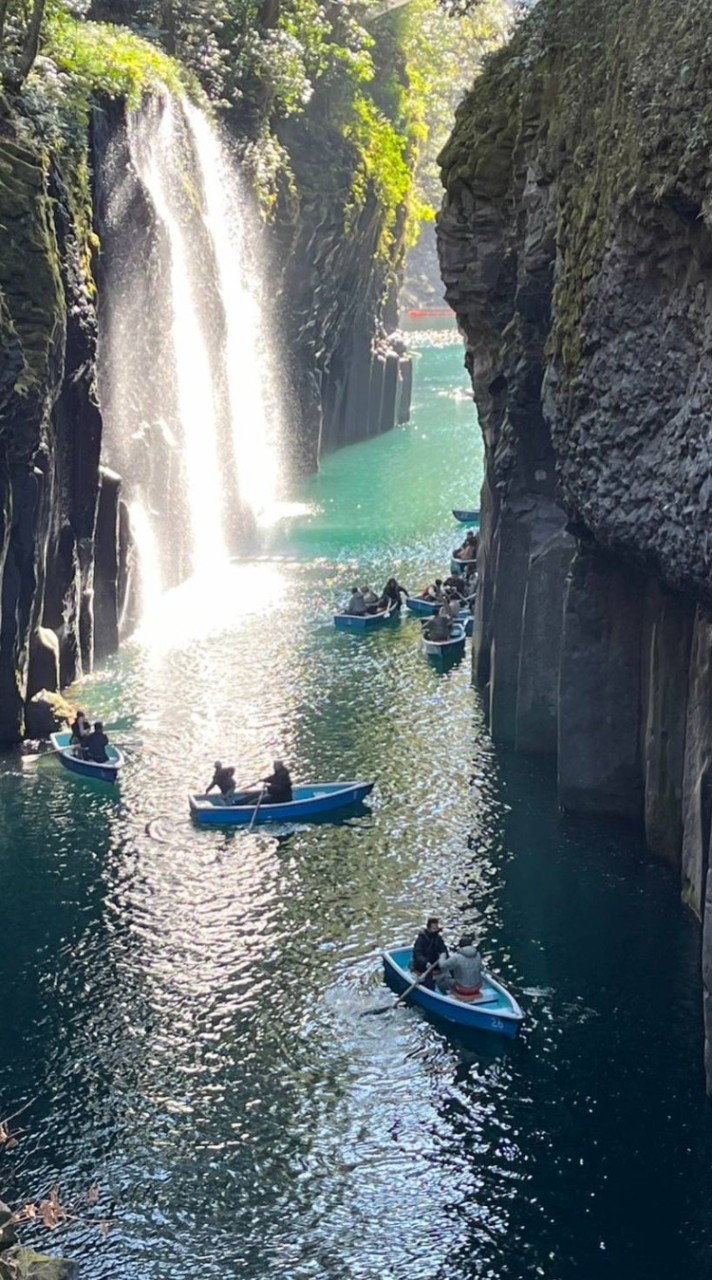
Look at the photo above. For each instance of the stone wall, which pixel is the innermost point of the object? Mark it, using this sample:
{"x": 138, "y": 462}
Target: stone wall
{"x": 575, "y": 246}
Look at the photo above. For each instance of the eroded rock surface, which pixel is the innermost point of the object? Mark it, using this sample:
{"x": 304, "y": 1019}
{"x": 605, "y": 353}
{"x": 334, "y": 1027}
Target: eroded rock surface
{"x": 576, "y": 248}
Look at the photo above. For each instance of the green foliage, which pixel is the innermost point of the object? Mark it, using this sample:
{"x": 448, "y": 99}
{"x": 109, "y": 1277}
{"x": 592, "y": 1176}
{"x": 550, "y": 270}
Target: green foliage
{"x": 99, "y": 59}
{"x": 382, "y": 166}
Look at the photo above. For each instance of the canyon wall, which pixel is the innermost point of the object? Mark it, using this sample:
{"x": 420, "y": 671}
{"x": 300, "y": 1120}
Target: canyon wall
{"x": 50, "y": 434}
{"x": 576, "y": 249}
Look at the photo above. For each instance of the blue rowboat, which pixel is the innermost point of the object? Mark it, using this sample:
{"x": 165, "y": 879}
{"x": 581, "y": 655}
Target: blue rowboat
{"x": 422, "y": 608}
{"x": 69, "y": 755}
{"x": 446, "y": 648}
{"x": 462, "y": 566}
{"x": 363, "y": 621}
{"x": 493, "y": 1010}
{"x": 309, "y": 801}
{"x": 468, "y": 621}
{"x": 468, "y": 517}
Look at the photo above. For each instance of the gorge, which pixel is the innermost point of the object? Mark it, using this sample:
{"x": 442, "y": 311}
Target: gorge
{"x": 210, "y": 429}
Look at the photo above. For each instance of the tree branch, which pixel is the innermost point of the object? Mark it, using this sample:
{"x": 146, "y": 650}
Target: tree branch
{"x": 16, "y": 78}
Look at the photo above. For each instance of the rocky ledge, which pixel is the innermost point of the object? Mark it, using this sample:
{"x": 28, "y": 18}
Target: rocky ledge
{"x": 575, "y": 245}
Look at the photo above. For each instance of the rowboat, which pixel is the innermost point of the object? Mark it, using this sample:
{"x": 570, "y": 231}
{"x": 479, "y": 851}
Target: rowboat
{"x": 70, "y": 755}
{"x": 494, "y": 1009}
{"x": 446, "y": 648}
{"x": 364, "y": 621}
{"x": 309, "y": 801}
{"x": 422, "y": 608}
{"x": 428, "y": 609}
{"x": 462, "y": 566}
{"x": 471, "y": 518}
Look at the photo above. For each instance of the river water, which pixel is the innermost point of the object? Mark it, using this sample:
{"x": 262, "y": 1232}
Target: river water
{"x": 184, "y": 1011}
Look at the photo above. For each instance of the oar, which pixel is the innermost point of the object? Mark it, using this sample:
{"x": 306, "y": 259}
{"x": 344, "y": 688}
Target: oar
{"x": 384, "y": 1008}
{"x": 257, "y": 809}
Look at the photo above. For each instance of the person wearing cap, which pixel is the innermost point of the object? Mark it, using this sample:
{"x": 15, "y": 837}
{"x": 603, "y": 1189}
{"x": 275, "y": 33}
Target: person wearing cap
{"x": 279, "y": 784}
{"x": 224, "y": 780}
{"x": 460, "y": 974}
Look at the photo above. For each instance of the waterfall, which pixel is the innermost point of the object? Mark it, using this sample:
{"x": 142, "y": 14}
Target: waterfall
{"x": 249, "y": 380}
{"x": 191, "y": 417}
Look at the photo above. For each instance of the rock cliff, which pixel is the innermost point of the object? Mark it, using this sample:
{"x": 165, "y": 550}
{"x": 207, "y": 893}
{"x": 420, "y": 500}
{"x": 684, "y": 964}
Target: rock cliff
{"x": 576, "y": 248}
{"x": 50, "y": 432}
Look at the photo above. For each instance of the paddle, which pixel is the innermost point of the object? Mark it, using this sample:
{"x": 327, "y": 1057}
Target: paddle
{"x": 263, "y": 793}
{"x": 384, "y": 1008}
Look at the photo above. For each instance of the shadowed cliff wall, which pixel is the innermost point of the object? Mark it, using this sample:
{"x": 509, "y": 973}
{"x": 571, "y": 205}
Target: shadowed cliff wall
{"x": 50, "y": 433}
{"x": 576, "y": 248}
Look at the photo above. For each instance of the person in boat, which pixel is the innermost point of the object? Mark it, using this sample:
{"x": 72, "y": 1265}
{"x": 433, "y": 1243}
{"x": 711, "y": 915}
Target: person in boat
{"x": 80, "y": 728}
{"x": 279, "y": 784}
{"x": 438, "y": 628}
{"x": 460, "y": 973}
{"x": 94, "y": 744}
{"x": 357, "y": 604}
{"x": 429, "y": 947}
{"x": 224, "y": 780}
{"x": 456, "y": 583}
{"x": 434, "y": 591}
{"x": 451, "y": 606}
{"x": 392, "y": 593}
{"x": 370, "y": 599}
{"x": 468, "y": 550}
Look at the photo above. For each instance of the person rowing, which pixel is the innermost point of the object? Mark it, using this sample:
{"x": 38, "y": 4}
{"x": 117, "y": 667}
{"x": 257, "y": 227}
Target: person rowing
{"x": 428, "y": 948}
{"x": 276, "y": 789}
{"x": 94, "y": 744}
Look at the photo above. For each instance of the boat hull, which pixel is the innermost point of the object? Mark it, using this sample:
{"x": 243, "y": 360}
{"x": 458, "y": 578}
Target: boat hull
{"x": 496, "y": 1011}
{"x": 65, "y": 752}
{"x": 310, "y": 802}
{"x": 444, "y": 648}
{"x": 423, "y": 608}
{"x": 462, "y": 566}
{"x": 471, "y": 518}
{"x": 363, "y": 622}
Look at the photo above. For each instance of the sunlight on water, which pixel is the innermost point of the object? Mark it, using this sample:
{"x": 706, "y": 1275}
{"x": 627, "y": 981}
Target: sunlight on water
{"x": 183, "y": 1006}
{"x": 160, "y": 165}
{"x": 223, "y": 598}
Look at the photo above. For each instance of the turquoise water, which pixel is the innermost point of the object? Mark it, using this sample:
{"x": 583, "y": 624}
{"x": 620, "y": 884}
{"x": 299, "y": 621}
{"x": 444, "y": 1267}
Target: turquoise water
{"x": 183, "y": 1006}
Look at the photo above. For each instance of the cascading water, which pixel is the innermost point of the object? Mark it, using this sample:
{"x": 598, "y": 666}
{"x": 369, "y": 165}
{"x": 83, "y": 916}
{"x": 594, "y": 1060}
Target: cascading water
{"x": 191, "y": 417}
{"x": 247, "y": 351}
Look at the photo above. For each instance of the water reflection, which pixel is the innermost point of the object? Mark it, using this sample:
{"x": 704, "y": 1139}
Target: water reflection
{"x": 188, "y": 1012}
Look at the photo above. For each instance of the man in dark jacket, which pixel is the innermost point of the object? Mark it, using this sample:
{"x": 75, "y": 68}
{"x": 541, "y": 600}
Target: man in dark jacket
{"x": 95, "y": 744}
{"x": 279, "y": 784}
{"x": 428, "y": 947}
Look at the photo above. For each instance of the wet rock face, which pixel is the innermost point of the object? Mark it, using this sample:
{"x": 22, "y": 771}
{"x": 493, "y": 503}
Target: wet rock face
{"x": 50, "y": 433}
{"x": 337, "y": 301}
{"x": 575, "y": 245}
